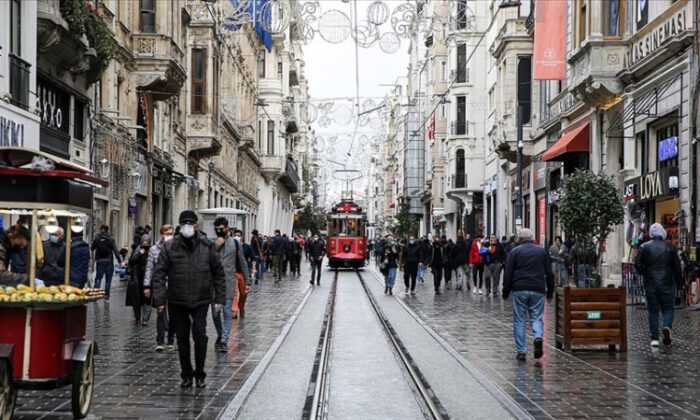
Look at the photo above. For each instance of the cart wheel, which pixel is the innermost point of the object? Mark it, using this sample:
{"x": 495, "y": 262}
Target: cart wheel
{"x": 8, "y": 394}
{"x": 83, "y": 384}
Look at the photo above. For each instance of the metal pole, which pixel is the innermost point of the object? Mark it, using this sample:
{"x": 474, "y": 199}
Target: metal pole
{"x": 519, "y": 199}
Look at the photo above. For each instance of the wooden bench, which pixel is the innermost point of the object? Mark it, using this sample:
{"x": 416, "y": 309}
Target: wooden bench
{"x": 591, "y": 317}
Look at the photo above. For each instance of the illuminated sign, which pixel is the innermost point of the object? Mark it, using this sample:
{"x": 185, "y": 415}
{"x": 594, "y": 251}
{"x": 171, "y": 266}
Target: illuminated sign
{"x": 668, "y": 148}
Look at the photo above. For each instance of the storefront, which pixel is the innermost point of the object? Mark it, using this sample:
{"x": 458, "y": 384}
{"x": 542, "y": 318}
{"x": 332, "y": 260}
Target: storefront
{"x": 540, "y": 188}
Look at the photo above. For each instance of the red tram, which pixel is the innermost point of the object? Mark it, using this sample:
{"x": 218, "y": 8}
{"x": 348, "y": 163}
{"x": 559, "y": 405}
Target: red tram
{"x": 346, "y": 243}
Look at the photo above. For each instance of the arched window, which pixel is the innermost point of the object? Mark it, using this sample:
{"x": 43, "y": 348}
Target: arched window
{"x": 460, "y": 175}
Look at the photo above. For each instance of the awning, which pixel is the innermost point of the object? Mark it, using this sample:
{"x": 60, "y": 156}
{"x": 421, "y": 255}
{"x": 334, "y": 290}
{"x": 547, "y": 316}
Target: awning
{"x": 575, "y": 141}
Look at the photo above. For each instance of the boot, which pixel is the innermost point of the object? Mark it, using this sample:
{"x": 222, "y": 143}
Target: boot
{"x": 386, "y": 290}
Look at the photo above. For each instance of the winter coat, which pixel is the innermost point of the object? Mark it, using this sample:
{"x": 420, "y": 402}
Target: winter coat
{"x": 447, "y": 247}
{"x": 528, "y": 267}
{"x": 411, "y": 254}
{"x": 50, "y": 272}
{"x": 153, "y": 254}
{"x": 193, "y": 272}
{"x": 425, "y": 249}
{"x": 104, "y": 247}
{"x": 459, "y": 255}
{"x": 233, "y": 261}
{"x": 8, "y": 278}
{"x": 435, "y": 260}
{"x": 279, "y": 245}
{"x": 317, "y": 249}
{"x": 497, "y": 253}
{"x": 658, "y": 262}
{"x": 390, "y": 256}
{"x": 79, "y": 261}
{"x": 474, "y": 257}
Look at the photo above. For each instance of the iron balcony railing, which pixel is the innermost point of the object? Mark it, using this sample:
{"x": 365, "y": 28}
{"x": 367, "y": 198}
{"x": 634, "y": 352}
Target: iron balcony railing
{"x": 459, "y": 180}
{"x": 460, "y": 128}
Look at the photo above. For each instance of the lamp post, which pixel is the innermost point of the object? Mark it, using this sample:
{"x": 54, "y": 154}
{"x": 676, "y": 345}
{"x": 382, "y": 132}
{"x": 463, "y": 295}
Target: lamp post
{"x": 519, "y": 197}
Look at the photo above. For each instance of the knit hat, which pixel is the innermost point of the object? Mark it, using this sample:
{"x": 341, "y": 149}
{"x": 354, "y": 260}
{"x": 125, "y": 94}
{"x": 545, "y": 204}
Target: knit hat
{"x": 188, "y": 216}
{"x": 657, "y": 230}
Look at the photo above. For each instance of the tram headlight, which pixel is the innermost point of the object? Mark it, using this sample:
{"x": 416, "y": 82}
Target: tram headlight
{"x": 346, "y": 248}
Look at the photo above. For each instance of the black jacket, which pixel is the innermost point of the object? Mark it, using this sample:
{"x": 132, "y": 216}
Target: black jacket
{"x": 317, "y": 249}
{"x": 390, "y": 255}
{"x": 426, "y": 250}
{"x": 528, "y": 268}
{"x": 50, "y": 272}
{"x": 192, "y": 271}
{"x": 412, "y": 254}
{"x": 499, "y": 253}
{"x": 658, "y": 262}
{"x": 435, "y": 259}
{"x": 460, "y": 254}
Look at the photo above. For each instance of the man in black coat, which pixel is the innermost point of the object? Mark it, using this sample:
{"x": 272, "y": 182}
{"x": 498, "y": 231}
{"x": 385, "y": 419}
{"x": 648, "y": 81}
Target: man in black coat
{"x": 317, "y": 250}
{"x": 411, "y": 259}
{"x": 658, "y": 262}
{"x": 189, "y": 276}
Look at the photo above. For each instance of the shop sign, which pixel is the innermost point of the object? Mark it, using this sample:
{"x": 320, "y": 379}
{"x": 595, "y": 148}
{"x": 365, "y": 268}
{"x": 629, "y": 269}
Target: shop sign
{"x": 593, "y": 315}
{"x": 668, "y": 149}
{"x": 655, "y": 39}
{"x": 11, "y": 133}
{"x": 54, "y": 105}
{"x": 540, "y": 176}
{"x": 652, "y": 185}
{"x": 542, "y": 219}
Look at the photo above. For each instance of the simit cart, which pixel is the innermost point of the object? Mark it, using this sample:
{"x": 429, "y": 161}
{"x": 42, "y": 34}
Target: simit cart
{"x": 42, "y": 335}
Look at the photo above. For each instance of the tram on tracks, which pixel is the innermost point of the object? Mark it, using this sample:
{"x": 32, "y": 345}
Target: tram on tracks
{"x": 346, "y": 243}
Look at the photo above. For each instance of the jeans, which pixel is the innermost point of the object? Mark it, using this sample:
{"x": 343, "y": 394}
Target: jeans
{"x": 410, "y": 271}
{"x": 437, "y": 277}
{"x": 277, "y": 261}
{"x": 527, "y": 306}
{"x": 164, "y": 323}
{"x": 462, "y": 275}
{"x": 104, "y": 268}
{"x": 261, "y": 267}
{"x": 187, "y": 319}
{"x": 390, "y": 278}
{"x": 146, "y": 310}
{"x": 563, "y": 275}
{"x": 493, "y": 277}
{"x": 421, "y": 272}
{"x": 316, "y": 269}
{"x": 582, "y": 278}
{"x": 659, "y": 297}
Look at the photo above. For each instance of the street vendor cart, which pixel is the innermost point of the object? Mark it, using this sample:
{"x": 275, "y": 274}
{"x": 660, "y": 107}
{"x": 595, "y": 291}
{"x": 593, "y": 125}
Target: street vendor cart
{"x": 42, "y": 329}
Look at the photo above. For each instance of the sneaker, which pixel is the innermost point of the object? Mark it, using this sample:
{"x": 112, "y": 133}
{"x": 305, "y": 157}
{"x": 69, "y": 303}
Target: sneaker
{"x": 655, "y": 343}
{"x": 171, "y": 347}
{"x": 391, "y": 291}
{"x": 667, "y": 336}
{"x": 521, "y": 357}
{"x": 186, "y": 383}
{"x": 406, "y": 292}
{"x": 480, "y": 292}
{"x": 474, "y": 290}
{"x": 200, "y": 383}
{"x": 312, "y": 282}
{"x": 413, "y": 292}
{"x": 222, "y": 348}
{"x": 159, "y": 348}
{"x": 538, "y": 348}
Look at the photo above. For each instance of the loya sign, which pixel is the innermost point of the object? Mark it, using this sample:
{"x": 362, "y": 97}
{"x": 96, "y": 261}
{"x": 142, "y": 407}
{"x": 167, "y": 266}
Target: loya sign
{"x": 653, "y": 185}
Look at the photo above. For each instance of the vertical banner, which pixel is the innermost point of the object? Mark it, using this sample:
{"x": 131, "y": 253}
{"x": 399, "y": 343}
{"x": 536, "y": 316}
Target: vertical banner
{"x": 550, "y": 40}
{"x": 542, "y": 220}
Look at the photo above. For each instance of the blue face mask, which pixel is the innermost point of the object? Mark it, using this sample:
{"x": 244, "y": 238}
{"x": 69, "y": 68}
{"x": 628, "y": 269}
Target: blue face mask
{"x": 54, "y": 239}
{"x": 412, "y": 241}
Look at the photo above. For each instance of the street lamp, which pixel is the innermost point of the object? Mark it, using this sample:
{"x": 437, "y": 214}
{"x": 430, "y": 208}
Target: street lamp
{"x": 135, "y": 179}
{"x": 104, "y": 168}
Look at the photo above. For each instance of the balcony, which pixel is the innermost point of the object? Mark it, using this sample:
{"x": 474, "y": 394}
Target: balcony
{"x": 290, "y": 177}
{"x": 290, "y": 115}
{"x": 459, "y": 128}
{"x": 513, "y": 30}
{"x": 272, "y": 166}
{"x": 458, "y": 181}
{"x": 560, "y": 106}
{"x": 202, "y": 135}
{"x": 159, "y": 67}
{"x": 19, "y": 81}
{"x": 595, "y": 67}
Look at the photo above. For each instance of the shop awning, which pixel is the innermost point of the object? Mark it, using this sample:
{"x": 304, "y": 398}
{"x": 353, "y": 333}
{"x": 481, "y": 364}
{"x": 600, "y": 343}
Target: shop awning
{"x": 575, "y": 141}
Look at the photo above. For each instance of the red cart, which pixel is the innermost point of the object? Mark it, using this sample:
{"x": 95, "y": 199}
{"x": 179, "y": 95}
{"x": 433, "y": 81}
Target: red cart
{"x": 43, "y": 344}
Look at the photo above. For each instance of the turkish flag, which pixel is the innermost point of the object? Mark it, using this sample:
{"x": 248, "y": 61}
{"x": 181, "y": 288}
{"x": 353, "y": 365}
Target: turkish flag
{"x": 431, "y": 128}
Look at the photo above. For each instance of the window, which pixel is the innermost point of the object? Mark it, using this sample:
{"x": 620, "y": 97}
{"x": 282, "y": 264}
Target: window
{"x": 443, "y": 111}
{"x": 581, "y": 21}
{"x": 491, "y": 101}
{"x": 460, "y": 175}
{"x": 199, "y": 81}
{"x": 642, "y": 13}
{"x": 270, "y": 137}
{"x": 442, "y": 148}
{"x": 261, "y": 64}
{"x": 260, "y": 129}
{"x": 461, "y": 14}
{"x": 459, "y": 127}
{"x": 525, "y": 86}
{"x": 524, "y": 8}
{"x": 443, "y": 71}
{"x": 642, "y": 160}
{"x": 79, "y": 120}
{"x": 16, "y": 27}
{"x": 148, "y": 16}
{"x": 462, "y": 64}
{"x": 280, "y": 68}
{"x": 613, "y": 17}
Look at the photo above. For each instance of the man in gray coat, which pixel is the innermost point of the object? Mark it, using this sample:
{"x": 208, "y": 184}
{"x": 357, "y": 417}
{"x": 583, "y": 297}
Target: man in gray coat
{"x": 162, "y": 323}
{"x": 231, "y": 254}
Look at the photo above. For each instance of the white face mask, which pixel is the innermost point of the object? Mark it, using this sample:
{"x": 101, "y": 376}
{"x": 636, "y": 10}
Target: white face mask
{"x": 237, "y": 238}
{"x": 166, "y": 238}
{"x": 187, "y": 231}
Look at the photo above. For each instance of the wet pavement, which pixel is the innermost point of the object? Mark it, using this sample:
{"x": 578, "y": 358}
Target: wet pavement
{"x": 642, "y": 383}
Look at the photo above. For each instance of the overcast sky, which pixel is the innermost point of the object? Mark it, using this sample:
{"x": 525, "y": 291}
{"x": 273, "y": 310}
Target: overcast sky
{"x": 330, "y": 70}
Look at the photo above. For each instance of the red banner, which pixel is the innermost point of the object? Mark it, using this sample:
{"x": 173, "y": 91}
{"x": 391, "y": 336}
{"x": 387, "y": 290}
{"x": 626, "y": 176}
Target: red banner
{"x": 431, "y": 128}
{"x": 542, "y": 220}
{"x": 550, "y": 40}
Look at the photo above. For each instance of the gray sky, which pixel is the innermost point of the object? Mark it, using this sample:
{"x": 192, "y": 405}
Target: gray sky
{"x": 330, "y": 70}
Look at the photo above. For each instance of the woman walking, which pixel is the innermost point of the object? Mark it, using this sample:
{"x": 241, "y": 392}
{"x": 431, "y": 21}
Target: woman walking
{"x": 459, "y": 261}
{"x": 135, "y": 296}
{"x": 477, "y": 263}
{"x": 389, "y": 264}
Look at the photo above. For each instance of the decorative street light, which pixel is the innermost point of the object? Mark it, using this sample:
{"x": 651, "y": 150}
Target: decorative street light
{"x": 104, "y": 168}
{"x": 135, "y": 179}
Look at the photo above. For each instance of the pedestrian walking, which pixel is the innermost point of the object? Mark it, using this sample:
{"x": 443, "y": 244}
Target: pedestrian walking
{"x": 388, "y": 264}
{"x": 529, "y": 277}
{"x": 287, "y": 254}
{"x": 243, "y": 279}
{"x": 295, "y": 257}
{"x": 79, "y": 260}
{"x": 135, "y": 296}
{"x": 237, "y": 278}
{"x": 278, "y": 250}
{"x": 105, "y": 251}
{"x": 317, "y": 250}
{"x": 189, "y": 276}
{"x": 459, "y": 259}
{"x": 50, "y": 272}
{"x": 379, "y": 245}
{"x": 658, "y": 262}
{"x": 435, "y": 261}
{"x": 256, "y": 243}
{"x": 267, "y": 248}
{"x": 476, "y": 262}
{"x": 492, "y": 270}
{"x": 447, "y": 246}
{"x": 163, "y": 321}
{"x": 425, "y": 246}
{"x": 411, "y": 261}
{"x": 559, "y": 254}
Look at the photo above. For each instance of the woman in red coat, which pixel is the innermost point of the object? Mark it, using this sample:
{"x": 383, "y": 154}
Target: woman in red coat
{"x": 477, "y": 263}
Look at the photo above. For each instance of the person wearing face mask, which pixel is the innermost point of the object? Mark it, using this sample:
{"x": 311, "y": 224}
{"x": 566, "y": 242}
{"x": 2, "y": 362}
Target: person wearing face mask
{"x": 12, "y": 241}
{"x": 18, "y": 263}
{"x": 237, "y": 276}
{"x": 189, "y": 276}
{"x": 79, "y": 259}
{"x": 105, "y": 250}
{"x": 411, "y": 260}
{"x": 50, "y": 272}
{"x": 135, "y": 290}
{"x": 243, "y": 284}
{"x": 389, "y": 264}
{"x": 162, "y": 321}
{"x": 317, "y": 250}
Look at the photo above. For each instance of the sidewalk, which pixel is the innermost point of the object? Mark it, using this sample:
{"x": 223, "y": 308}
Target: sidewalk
{"x": 133, "y": 381}
{"x": 642, "y": 383}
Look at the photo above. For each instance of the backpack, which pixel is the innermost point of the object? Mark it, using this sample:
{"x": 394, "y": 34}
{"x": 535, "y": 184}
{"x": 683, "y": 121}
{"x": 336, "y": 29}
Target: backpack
{"x": 103, "y": 247}
{"x": 296, "y": 247}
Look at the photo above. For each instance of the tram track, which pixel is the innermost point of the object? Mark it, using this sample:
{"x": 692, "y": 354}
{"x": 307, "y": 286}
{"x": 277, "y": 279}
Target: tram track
{"x": 317, "y": 399}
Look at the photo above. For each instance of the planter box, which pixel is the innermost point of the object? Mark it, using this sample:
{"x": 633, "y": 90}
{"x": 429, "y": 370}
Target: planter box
{"x": 596, "y": 316}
